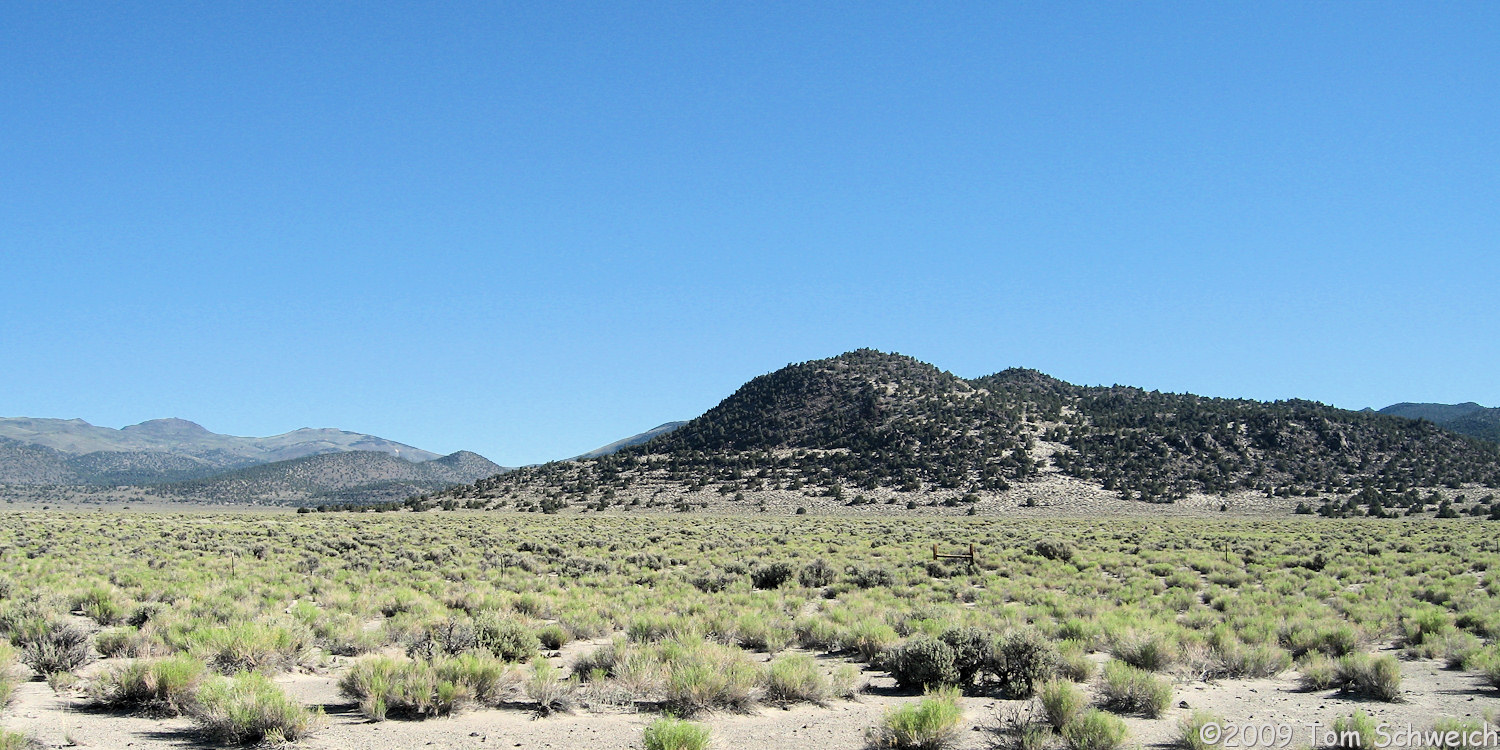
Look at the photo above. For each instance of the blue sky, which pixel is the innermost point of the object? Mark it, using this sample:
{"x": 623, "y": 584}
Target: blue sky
{"x": 531, "y": 229}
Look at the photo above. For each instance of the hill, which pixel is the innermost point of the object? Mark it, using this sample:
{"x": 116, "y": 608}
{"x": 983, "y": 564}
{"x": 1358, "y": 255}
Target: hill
{"x": 872, "y": 423}
{"x": 1466, "y": 418}
{"x": 350, "y": 476}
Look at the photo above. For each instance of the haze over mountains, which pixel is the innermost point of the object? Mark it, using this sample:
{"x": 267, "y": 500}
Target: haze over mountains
{"x": 180, "y": 459}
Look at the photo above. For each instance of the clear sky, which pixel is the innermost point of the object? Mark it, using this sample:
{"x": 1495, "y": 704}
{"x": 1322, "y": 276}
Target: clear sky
{"x": 528, "y": 229}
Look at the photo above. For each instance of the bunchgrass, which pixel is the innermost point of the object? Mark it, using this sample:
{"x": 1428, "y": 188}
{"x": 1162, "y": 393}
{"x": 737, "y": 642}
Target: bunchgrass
{"x": 929, "y": 724}
{"x": 161, "y": 686}
{"x": 248, "y": 708}
{"x": 1377, "y": 678}
{"x": 668, "y": 733}
{"x": 1061, "y": 702}
{"x": 1128, "y": 689}
{"x": 1094, "y": 730}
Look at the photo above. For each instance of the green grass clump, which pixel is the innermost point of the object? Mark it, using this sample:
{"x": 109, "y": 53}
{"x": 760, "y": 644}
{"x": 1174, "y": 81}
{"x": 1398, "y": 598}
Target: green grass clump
{"x": 930, "y": 724}
{"x": 385, "y": 687}
{"x": 703, "y": 676}
{"x": 1458, "y": 648}
{"x": 1456, "y": 734}
{"x": 845, "y": 682}
{"x": 1190, "y": 731}
{"x": 1150, "y": 651}
{"x": 1487, "y": 662}
{"x": 1129, "y": 689}
{"x": 248, "y": 708}
{"x": 1073, "y": 661}
{"x": 547, "y": 689}
{"x": 1094, "y": 730}
{"x": 16, "y": 741}
{"x": 1428, "y": 623}
{"x": 554, "y": 636}
{"x": 795, "y": 678}
{"x": 870, "y": 639}
{"x": 1318, "y": 672}
{"x": 1378, "y": 678}
{"x": 1356, "y": 732}
{"x": 128, "y": 642}
{"x": 249, "y": 646}
{"x": 1061, "y": 702}
{"x": 508, "y": 639}
{"x": 481, "y": 677}
{"x": 8, "y": 677}
{"x": 668, "y": 733}
{"x": 162, "y": 686}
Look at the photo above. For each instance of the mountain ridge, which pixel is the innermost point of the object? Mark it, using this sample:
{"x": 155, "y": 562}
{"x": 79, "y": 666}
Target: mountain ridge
{"x": 1467, "y": 418}
{"x": 175, "y": 435}
{"x": 181, "y": 460}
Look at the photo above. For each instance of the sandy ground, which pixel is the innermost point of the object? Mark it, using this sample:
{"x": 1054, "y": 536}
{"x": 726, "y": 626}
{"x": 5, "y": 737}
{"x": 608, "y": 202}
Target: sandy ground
{"x": 1431, "y": 692}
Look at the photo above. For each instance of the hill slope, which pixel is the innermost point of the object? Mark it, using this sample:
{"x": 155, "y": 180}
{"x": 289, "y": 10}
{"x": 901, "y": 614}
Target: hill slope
{"x": 643, "y": 437}
{"x": 868, "y": 420}
{"x": 1466, "y": 418}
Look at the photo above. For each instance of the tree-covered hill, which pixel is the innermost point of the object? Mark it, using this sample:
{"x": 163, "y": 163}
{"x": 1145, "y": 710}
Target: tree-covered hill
{"x": 867, "y": 420}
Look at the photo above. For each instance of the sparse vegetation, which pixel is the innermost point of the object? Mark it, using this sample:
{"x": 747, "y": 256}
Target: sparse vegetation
{"x": 473, "y": 603}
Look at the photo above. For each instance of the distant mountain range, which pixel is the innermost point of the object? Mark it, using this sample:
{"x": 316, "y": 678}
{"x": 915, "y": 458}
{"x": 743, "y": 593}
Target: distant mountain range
{"x": 871, "y": 421}
{"x": 180, "y": 459}
{"x": 1467, "y": 418}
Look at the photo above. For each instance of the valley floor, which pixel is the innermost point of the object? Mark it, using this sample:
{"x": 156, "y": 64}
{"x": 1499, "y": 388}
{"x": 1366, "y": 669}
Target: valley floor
{"x": 1432, "y": 692}
{"x": 1214, "y": 595}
